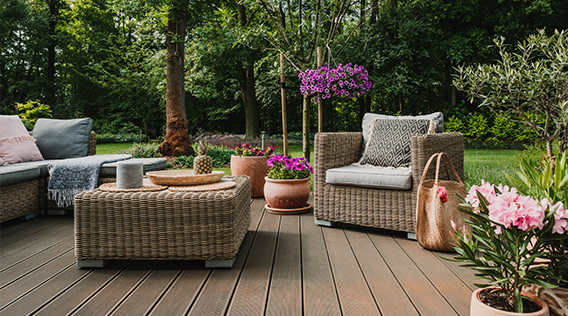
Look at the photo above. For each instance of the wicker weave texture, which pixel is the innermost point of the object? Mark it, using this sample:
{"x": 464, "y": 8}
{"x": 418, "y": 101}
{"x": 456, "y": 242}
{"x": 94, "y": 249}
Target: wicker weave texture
{"x": 162, "y": 225}
{"x": 380, "y": 208}
{"x": 92, "y": 144}
{"x": 19, "y": 199}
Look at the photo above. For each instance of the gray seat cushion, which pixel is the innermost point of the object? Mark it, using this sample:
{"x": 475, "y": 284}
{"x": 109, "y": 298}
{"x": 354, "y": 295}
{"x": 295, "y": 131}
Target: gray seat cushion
{"x": 16, "y": 174}
{"x": 108, "y": 170}
{"x": 374, "y": 177}
{"x": 43, "y": 166}
{"x": 60, "y": 139}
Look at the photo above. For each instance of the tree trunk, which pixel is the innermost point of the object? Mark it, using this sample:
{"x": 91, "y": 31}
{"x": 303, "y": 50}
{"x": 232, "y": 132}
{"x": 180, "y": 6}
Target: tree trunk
{"x": 176, "y": 141}
{"x": 306, "y": 127}
{"x": 248, "y": 91}
{"x": 50, "y": 71}
{"x": 248, "y": 94}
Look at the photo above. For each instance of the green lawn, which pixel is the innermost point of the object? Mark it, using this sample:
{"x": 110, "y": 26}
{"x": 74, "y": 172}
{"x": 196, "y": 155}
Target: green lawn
{"x": 491, "y": 165}
{"x": 112, "y": 148}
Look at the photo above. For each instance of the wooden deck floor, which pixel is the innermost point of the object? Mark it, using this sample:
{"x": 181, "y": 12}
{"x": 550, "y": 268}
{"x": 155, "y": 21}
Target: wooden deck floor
{"x": 286, "y": 266}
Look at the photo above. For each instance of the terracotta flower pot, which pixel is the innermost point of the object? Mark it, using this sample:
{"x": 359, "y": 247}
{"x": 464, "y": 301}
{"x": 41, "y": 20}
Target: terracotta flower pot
{"x": 286, "y": 193}
{"x": 253, "y": 166}
{"x": 478, "y": 308}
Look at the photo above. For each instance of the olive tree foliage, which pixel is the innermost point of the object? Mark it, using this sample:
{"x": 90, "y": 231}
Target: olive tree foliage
{"x": 528, "y": 85}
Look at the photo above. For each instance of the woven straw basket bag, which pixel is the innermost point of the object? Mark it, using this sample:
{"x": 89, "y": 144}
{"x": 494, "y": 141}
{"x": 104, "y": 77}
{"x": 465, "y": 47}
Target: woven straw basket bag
{"x": 434, "y": 213}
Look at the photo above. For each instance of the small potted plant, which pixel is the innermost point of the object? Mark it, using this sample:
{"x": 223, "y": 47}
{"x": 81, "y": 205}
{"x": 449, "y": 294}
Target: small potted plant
{"x": 287, "y": 187}
{"x": 505, "y": 243}
{"x": 251, "y": 161}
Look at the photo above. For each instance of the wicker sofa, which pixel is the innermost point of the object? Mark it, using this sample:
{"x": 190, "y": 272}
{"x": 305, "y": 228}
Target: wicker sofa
{"x": 392, "y": 209}
{"x": 23, "y": 186}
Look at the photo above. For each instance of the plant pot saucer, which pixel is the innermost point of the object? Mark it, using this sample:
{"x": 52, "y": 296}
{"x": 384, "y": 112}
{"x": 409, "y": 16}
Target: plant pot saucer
{"x": 288, "y": 211}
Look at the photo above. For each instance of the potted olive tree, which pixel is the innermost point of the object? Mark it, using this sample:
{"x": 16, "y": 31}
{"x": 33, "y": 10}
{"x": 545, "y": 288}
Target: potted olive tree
{"x": 528, "y": 85}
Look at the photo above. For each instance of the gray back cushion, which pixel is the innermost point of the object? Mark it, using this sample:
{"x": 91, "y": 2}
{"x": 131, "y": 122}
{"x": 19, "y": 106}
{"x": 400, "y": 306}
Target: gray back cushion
{"x": 389, "y": 145}
{"x": 60, "y": 139}
{"x": 436, "y": 117}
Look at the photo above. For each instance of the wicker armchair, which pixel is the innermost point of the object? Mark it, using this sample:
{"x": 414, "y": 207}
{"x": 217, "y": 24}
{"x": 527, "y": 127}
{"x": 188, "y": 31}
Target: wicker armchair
{"x": 373, "y": 207}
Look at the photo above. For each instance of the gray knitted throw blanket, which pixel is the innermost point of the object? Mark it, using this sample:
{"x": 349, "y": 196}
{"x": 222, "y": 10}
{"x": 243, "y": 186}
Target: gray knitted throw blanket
{"x": 69, "y": 177}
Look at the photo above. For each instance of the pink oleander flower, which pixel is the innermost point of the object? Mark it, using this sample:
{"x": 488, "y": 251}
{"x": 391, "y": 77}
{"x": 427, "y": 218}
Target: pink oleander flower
{"x": 487, "y": 190}
{"x": 560, "y": 216}
{"x": 510, "y": 209}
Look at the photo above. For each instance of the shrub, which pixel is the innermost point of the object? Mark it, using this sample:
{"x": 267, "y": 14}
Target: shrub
{"x": 477, "y": 128}
{"x": 143, "y": 150}
{"x": 221, "y": 157}
{"x": 107, "y": 138}
{"x": 31, "y": 111}
{"x": 183, "y": 162}
{"x": 454, "y": 124}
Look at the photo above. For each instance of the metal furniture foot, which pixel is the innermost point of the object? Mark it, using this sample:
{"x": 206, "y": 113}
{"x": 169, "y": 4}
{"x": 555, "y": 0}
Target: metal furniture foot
{"x": 57, "y": 212}
{"x": 30, "y": 217}
{"x": 228, "y": 263}
{"x": 411, "y": 236}
{"x": 91, "y": 263}
{"x": 322, "y": 222}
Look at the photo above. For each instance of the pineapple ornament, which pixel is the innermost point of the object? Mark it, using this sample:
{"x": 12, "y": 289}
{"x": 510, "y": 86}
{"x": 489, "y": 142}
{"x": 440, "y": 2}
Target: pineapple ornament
{"x": 202, "y": 163}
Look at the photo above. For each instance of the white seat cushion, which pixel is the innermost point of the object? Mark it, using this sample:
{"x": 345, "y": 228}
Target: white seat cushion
{"x": 374, "y": 177}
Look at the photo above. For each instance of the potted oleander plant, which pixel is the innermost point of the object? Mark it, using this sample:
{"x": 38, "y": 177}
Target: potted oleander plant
{"x": 252, "y": 162}
{"x": 505, "y": 241}
{"x": 287, "y": 187}
{"x": 548, "y": 179}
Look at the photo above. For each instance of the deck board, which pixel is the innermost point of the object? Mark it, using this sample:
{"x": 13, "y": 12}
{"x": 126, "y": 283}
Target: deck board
{"x": 252, "y": 289}
{"x": 286, "y": 265}
{"x": 448, "y": 284}
{"x": 354, "y": 294}
{"x": 285, "y": 294}
{"x": 422, "y": 293}
{"x": 81, "y": 291}
{"x": 142, "y": 300}
{"x": 388, "y": 293}
{"x": 218, "y": 291}
{"x": 320, "y": 296}
{"x": 187, "y": 287}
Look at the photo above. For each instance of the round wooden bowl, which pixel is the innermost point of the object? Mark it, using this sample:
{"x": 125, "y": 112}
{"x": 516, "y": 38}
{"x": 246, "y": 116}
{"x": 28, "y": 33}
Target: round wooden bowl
{"x": 183, "y": 177}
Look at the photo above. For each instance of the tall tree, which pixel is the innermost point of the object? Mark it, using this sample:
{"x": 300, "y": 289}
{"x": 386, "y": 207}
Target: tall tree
{"x": 52, "y": 43}
{"x": 297, "y": 28}
{"x": 247, "y": 82}
{"x": 176, "y": 141}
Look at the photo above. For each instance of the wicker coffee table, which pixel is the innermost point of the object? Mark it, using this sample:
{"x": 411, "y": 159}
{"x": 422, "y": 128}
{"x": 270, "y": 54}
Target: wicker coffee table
{"x": 162, "y": 225}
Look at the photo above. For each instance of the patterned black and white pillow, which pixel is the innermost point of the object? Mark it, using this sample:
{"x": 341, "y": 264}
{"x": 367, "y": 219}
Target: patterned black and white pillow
{"x": 389, "y": 142}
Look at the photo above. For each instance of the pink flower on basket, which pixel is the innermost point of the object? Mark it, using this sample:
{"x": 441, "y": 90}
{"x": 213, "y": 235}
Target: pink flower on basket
{"x": 442, "y": 194}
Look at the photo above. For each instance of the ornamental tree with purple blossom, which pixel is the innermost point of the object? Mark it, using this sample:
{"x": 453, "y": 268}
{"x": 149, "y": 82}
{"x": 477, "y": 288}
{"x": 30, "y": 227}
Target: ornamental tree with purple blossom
{"x": 345, "y": 81}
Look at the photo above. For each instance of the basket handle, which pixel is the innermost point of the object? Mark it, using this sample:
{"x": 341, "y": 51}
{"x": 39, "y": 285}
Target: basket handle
{"x": 447, "y": 162}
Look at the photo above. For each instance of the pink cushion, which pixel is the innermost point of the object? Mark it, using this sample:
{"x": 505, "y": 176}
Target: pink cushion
{"x": 16, "y": 144}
